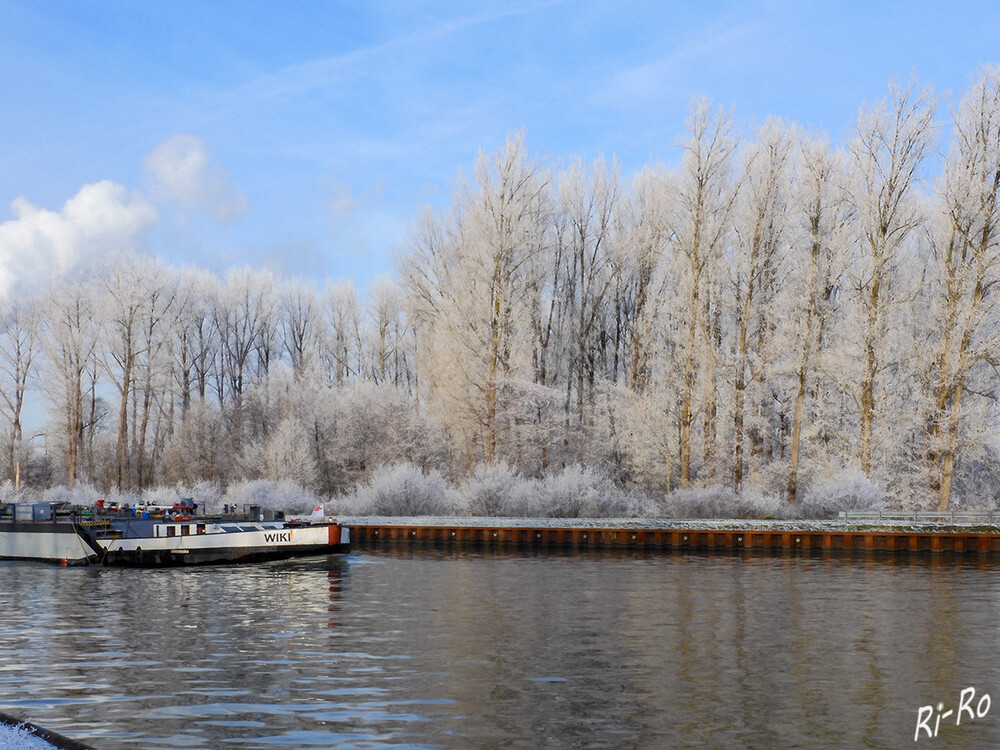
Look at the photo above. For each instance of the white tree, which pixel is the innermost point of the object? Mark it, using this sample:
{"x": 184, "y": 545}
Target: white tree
{"x": 892, "y": 140}
{"x": 20, "y": 319}
{"x": 70, "y": 345}
{"x": 468, "y": 287}
{"x": 967, "y": 264}
{"x": 196, "y": 342}
{"x": 819, "y": 215}
{"x": 642, "y": 274}
{"x": 290, "y": 454}
{"x": 590, "y": 207}
{"x": 387, "y": 342}
{"x": 300, "y": 322}
{"x": 753, "y": 268}
{"x": 196, "y": 450}
{"x": 123, "y": 301}
{"x": 166, "y": 303}
{"x": 341, "y": 351}
{"x": 699, "y": 226}
{"x": 245, "y": 320}
{"x": 139, "y": 310}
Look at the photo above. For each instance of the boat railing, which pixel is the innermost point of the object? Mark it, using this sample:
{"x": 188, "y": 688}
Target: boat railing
{"x": 93, "y": 515}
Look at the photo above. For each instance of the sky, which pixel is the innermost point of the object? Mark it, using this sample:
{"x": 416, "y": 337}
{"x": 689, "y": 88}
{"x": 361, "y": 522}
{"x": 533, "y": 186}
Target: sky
{"x": 305, "y": 137}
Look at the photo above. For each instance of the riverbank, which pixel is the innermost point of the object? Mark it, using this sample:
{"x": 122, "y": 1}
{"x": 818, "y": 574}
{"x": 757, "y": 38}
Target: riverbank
{"x": 723, "y": 535}
{"x": 888, "y": 523}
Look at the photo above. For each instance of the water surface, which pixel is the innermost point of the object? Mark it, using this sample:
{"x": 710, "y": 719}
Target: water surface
{"x": 444, "y": 650}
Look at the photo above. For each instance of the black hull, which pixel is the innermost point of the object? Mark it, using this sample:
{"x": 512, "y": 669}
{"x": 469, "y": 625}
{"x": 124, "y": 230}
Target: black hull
{"x": 82, "y": 562}
{"x": 55, "y": 739}
{"x": 220, "y": 556}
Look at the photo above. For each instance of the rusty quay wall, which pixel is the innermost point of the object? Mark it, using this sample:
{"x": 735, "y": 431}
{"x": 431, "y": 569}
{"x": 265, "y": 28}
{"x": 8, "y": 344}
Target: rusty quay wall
{"x": 890, "y": 542}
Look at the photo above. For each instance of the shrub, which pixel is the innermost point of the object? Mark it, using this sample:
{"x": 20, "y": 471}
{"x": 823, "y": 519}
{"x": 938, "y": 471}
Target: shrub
{"x": 9, "y": 495}
{"x": 843, "y": 492}
{"x": 80, "y": 494}
{"x": 496, "y": 491}
{"x": 404, "y": 490}
{"x": 722, "y": 502}
{"x": 580, "y": 492}
{"x": 284, "y": 496}
{"x": 571, "y": 493}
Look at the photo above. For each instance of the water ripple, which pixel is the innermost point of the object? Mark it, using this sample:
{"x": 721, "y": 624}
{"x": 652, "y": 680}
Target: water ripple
{"x": 433, "y": 649}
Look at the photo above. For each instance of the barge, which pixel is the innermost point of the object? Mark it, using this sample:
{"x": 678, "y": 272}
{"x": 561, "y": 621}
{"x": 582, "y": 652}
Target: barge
{"x": 127, "y": 538}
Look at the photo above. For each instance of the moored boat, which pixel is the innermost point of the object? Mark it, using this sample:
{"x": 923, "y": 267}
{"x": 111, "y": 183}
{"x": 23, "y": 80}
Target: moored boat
{"x": 199, "y": 541}
{"x": 123, "y": 539}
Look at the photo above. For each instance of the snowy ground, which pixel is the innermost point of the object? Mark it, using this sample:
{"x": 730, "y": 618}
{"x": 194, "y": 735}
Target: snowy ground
{"x": 19, "y": 738}
{"x": 720, "y": 524}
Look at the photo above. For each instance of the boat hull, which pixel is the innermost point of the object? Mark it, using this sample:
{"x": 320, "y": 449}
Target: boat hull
{"x": 179, "y": 544}
{"x": 147, "y": 558}
{"x": 44, "y": 541}
{"x": 237, "y": 547}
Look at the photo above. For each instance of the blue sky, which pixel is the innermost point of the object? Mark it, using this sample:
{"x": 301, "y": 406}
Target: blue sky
{"x": 305, "y": 136}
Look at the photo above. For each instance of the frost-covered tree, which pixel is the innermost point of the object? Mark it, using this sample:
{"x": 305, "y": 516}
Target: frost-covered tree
{"x": 166, "y": 302}
{"x": 886, "y": 155}
{"x": 388, "y": 346}
{"x": 70, "y": 341}
{"x": 768, "y": 317}
{"x": 20, "y": 320}
{"x": 245, "y": 320}
{"x": 699, "y": 228}
{"x": 589, "y": 205}
{"x": 139, "y": 301}
{"x": 341, "y": 351}
{"x": 642, "y": 274}
{"x": 648, "y": 412}
{"x": 123, "y": 299}
{"x": 754, "y": 277}
{"x": 301, "y": 324}
{"x": 967, "y": 273}
{"x": 290, "y": 455}
{"x": 196, "y": 348}
{"x": 197, "y": 450}
{"x": 469, "y": 289}
{"x": 818, "y": 215}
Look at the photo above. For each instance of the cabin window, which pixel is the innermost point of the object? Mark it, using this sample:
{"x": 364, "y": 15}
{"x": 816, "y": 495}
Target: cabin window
{"x": 185, "y": 530}
{"x": 171, "y": 531}
{"x": 201, "y": 528}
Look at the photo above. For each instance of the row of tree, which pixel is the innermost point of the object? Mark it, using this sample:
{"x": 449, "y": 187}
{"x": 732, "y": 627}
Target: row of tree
{"x": 157, "y": 375}
{"x": 771, "y": 313}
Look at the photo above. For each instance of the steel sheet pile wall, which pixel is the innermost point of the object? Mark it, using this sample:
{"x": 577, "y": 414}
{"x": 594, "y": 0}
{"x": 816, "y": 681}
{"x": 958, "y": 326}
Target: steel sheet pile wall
{"x": 687, "y": 539}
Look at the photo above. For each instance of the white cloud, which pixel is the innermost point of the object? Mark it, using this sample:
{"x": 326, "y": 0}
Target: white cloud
{"x": 342, "y": 203}
{"x": 347, "y": 203}
{"x": 180, "y": 171}
{"x": 39, "y": 244}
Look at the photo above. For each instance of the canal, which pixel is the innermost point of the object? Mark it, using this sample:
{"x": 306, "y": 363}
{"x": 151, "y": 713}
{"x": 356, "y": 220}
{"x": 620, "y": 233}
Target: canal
{"x": 435, "y": 649}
